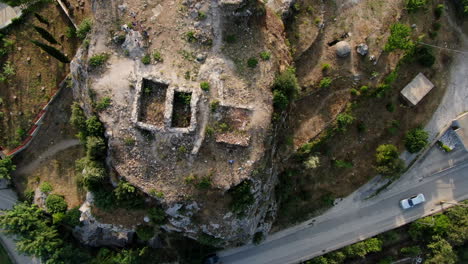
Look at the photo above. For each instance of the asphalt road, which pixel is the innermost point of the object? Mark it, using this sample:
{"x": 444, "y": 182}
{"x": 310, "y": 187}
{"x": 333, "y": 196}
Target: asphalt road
{"x": 344, "y": 227}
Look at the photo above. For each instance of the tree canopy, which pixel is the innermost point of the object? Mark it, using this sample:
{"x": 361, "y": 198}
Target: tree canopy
{"x": 6, "y": 167}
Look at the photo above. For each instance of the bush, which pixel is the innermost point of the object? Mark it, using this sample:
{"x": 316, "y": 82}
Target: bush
{"x": 84, "y": 28}
{"x": 78, "y": 118}
{"x": 252, "y": 62}
{"x": 287, "y": 83}
{"x": 205, "y": 86}
{"x": 98, "y": 59}
{"x": 52, "y": 51}
{"x": 124, "y": 191}
{"x": 354, "y": 92}
{"x": 204, "y": 183}
{"x": 103, "y": 103}
{"x": 190, "y": 36}
{"x": 46, "y": 187}
{"x": 343, "y": 164}
{"x": 439, "y": 10}
{"x": 144, "y": 232}
{"x": 364, "y": 89}
{"x": 258, "y": 238}
{"x": 413, "y": 5}
{"x": 58, "y": 218}
{"x": 326, "y": 67}
{"x": 390, "y": 107}
{"x": 280, "y": 101}
{"x": 416, "y": 140}
{"x": 388, "y": 162}
{"x": 201, "y": 15}
{"x": 242, "y": 197}
{"x": 312, "y": 162}
{"x": 95, "y": 148}
{"x": 93, "y": 173}
{"x": 55, "y": 204}
{"x": 157, "y": 56}
{"x": 325, "y": 82}
{"x": 265, "y": 55}
{"x": 343, "y": 120}
{"x": 361, "y": 249}
{"x": 146, "y": 59}
{"x": 72, "y": 217}
{"x": 399, "y": 38}
{"x": 412, "y": 251}
{"x": 94, "y": 127}
{"x": 424, "y": 56}
{"x": 157, "y": 216}
{"x": 6, "y": 167}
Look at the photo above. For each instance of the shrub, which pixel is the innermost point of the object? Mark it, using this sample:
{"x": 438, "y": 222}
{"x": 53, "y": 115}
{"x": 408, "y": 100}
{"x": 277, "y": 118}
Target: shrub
{"x": 95, "y": 147}
{"x": 412, "y": 251}
{"x": 204, "y": 183}
{"x": 6, "y": 167}
{"x": 413, "y": 5}
{"x": 94, "y": 127}
{"x": 157, "y": 216}
{"x": 361, "y": 249}
{"x": 416, "y": 140}
{"x": 325, "y": 82}
{"x": 354, "y": 92}
{"x": 326, "y": 67}
{"x": 52, "y": 51}
{"x": 205, "y": 86}
{"x": 439, "y": 10}
{"x": 390, "y": 107}
{"x": 146, "y": 59}
{"x": 287, "y": 83}
{"x": 343, "y": 164}
{"x": 103, "y": 103}
{"x": 144, "y": 232}
{"x": 84, "y": 27}
{"x": 58, "y": 218}
{"x": 190, "y": 36}
{"x": 93, "y": 173}
{"x": 265, "y": 55}
{"x": 258, "y": 238}
{"x": 78, "y": 118}
{"x": 72, "y": 217}
{"x": 45, "y": 35}
{"x": 388, "y": 162}
{"x": 364, "y": 89}
{"x": 55, "y": 204}
{"x": 98, "y": 59}
{"x": 252, "y": 62}
{"x": 201, "y": 15}
{"x": 46, "y": 187}
{"x": 424, "y": 56}
{"x": 157, "y": 56}
{"x": 242, "y": 197}
{"x": 343, "y": 120}
{"x": 214, "y": 105}
{"x": 124, "y": 191}
{"x": 280, "y": 101}
{"x": 399, "y": 38}
{"x": 71, "y": 32}
{"x": 312, "y": 162}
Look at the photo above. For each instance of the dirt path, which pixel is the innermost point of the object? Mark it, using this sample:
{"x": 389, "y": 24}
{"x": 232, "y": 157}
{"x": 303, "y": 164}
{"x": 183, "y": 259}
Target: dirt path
{"x": 44, "y": 156}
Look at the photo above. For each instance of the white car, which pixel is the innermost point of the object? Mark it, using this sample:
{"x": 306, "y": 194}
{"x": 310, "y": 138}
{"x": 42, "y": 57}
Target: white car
{"x": 412, "y": 201}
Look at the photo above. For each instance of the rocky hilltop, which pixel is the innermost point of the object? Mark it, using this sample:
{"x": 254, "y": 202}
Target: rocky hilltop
{"x": 189, "y": 121}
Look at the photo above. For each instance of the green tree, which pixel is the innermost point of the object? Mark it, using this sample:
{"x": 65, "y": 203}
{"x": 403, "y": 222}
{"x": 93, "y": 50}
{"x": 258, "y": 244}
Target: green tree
{"x": 399, "y": 38}
{"x": 56, "y": 204}
{"x": 124, "y": 191}
{"x": 85, "y": 26}
{"x": 388, "y": 162}
{"x": 343, "y": 120}
{"x": 440, "y": 252}
{"x": 416, "y": 140}
{"x": 95, "y": 148}
{"x": 413, "y": 5}
{"x": 280, "y": 101}
{"x": 94, "y": 127}
{"x": 93, "y": 172}
{"x": 6, "y": 167}
{"x": 361, "y": 249}
{"x": 287, "y": 83}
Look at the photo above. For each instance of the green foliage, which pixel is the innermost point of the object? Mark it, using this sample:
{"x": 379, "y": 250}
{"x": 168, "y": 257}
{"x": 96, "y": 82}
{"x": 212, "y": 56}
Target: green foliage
{"x": 98, "y": 59}
{"x": 190, "y": 36}
{"x": 390, "y": 107}
{"x": 326, "y": 67}
{"x": 285, "y": 88}
{"x": 71, "y": 32}
{"x": 342, "y": 164}
{"x": 55, "y": 204}
{"x": 146, "y": 59}
{"x": 414, "y": 5}
{"x": 364, "y": 89}
{"x": 416, "y": 139}
{"x": 45, "y": 35}
{"x": 46, "y": 187}
{"x": 325, "y": 82}
{"x": 412, "y": 251}
{"x": 201, "y": 15}
{"x": 312, "y": 162}
{"x": 6, "y": 167}
{"x": 72, "y": 217}
{"x": 252, "y": 62}
{"x": 214, "y": 105}
{"x": 424, "y": 56}
{"x": 94, "y": 127}
{"x": 361, "y": 249}
{"x": 84, "y": 28}
{"x": 124, "y": 191}
{"x": 280, "y": 101}
{"x": 242, "y": 197}
{"x": 399, "y": 38}
{"x": 52, "y": 51}
{"x": 208, "y": 240}
{"x": 388, "y": 162}
{"x": 78, "y": 118}
{"x": 157, "y": 215}
{"x": 354, "y": 92}
{"x": 95, "y": 147}
{"x": 205, "y": 86}
{"x": 344, "y": 120}
{"x": 439, "y": 10}
{"x": 104, "y": 103}
{"x": 157, "y": 56}
{"x": 258, "y": 238}
{"x": 381, "y": 90}
{"x": 57, "y": 218}
{"x": 93, "y": 173}
{"x": 205, "y": 182}
{"x": 265, "y": 55}
{"x": 144, "y": 232}
{"x": 440, "y": 252}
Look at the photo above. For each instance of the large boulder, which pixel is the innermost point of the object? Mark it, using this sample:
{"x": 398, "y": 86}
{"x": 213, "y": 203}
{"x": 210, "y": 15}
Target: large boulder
{"x": 343, "y": 49}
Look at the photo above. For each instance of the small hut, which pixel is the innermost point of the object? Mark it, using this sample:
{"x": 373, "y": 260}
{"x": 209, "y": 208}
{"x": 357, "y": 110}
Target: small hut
{"x": 415, "y": 91}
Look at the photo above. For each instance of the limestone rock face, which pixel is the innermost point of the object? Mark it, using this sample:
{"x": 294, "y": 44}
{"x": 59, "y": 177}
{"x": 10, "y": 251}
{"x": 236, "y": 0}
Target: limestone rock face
{"x": 343, "y": 49}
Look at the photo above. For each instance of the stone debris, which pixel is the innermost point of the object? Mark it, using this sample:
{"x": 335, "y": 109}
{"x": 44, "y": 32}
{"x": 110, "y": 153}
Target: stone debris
{"x": 362, "y": 49}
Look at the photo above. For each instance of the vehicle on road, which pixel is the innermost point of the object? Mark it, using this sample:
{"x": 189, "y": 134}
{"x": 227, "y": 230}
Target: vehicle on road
{"x": 412, "y": 201}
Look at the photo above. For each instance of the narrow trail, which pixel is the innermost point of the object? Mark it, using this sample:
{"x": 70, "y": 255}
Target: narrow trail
{"x": 49, "y": 152}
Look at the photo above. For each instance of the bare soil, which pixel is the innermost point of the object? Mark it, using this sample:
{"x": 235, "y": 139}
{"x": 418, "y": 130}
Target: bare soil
{"x": 153, "y": 103}
{"x": 181, "y": 111}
